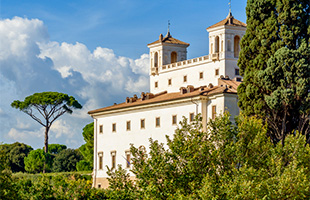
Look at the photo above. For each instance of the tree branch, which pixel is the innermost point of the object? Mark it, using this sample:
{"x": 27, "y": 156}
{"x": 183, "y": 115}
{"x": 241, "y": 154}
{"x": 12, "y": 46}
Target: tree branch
{"x": 29, "y": 112}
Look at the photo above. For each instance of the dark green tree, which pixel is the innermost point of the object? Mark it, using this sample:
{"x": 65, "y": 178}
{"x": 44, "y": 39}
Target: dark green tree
{"x": 274, "y": 61}
{"x": 66, "y": 160}
{"x": 46, "y": 107}
{"x": 37, "y": 160}
{"x": 15, "y": 154}
{"x": 87, "y": 150}
{"x": 56, "y": 148}
{"x": 7, "y": 190}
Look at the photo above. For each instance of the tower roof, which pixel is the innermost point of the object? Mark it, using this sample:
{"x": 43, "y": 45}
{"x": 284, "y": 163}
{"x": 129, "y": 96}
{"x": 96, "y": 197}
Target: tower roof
{"x": 169, "y": 40}
{"x": 229, "y": 21}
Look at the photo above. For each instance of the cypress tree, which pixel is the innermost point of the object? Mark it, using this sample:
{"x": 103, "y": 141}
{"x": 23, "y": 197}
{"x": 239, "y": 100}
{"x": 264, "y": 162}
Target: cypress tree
{"x": 274, "y": 61}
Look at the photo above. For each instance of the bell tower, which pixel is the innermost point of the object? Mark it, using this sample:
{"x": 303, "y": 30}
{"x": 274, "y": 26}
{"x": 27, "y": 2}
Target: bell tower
{"x": 224, "y": 45}
{"x": 225, "y": 37}
{"x": 166, "y": 50}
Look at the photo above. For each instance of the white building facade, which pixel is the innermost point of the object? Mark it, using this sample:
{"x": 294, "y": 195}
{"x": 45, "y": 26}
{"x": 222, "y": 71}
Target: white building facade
{"x": 178, "y": 87}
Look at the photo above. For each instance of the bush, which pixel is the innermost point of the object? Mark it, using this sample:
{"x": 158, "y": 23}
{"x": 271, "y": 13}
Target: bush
{"x": 66, "y": 160}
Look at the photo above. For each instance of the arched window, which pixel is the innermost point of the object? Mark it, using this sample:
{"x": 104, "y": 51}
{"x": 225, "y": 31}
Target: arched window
{"x": 156, "y": 59}
{"x": 217, "y": 44}
{"x": 228, "y": 45}
{"x": 236, "y": 46}
{"x": 174, "y": 57}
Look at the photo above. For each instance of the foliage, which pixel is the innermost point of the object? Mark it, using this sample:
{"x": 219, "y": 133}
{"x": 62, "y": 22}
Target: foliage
{"x": 66, "y": 160}
{"x": 56, "y": 148}
{"x": 274, "y": 61}
{"x": 7, "y": 187}
{"x": 61, "y": 186}
{"x": 49, "y": 105}
{"x": 229, "y": 161}
{"x": 87, "y": 150}
{"x": 84, "y": 165}
{"x": 120, "y": 185}
{"x": 35, "y": 160}
{"x": 15, "y": 154}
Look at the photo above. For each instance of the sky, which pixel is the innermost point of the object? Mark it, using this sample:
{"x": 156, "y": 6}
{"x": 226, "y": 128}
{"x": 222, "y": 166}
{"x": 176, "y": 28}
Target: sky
{"x": 94, "y": 50}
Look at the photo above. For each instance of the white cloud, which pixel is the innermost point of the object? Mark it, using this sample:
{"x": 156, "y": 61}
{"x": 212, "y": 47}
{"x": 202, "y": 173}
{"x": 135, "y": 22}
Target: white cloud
{"x": 19, "y": 134}
{"x": 30, "y": 62}
{"x": 61, "y": 128}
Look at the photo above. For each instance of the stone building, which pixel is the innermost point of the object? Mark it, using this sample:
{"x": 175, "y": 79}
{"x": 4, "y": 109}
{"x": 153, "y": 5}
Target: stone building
{"x": 178, "y": 87}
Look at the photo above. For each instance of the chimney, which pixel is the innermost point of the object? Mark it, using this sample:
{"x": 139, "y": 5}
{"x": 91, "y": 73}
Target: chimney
{"x": 127, "y": 99}
{"x": 161, "y": 37}
{"x": 149, "y": 95}
{"x": 210, "y": 85}
{"x": 183, "y": 90}
{"x": 143, "y": 96}
{"x": 190, "y": 88}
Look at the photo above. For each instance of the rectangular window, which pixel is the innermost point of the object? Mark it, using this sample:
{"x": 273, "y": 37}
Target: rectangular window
{"x": 174, "y": 119}
{"x": 239, "y": 79}
{"x": 100, "y": 129}
{"x": 156, "y": 84}
{"x": 113, "y": 156}
{"x": 185, "y": 79}
{"x": 157, "y": 121}
{"x": 191, "y": 117}
{"x": 169, "y": 81}
{"x": 237, "y": 72}
{"x": 128, "y": 159}
{"x": 142, "y": 123}
{"x": 100, "y": 155}
{"x": 114, "y": 127}
{"x": 213, "y": 112}
{"x": 99, "y": 185}
{"x": 200, "y": 75}
{"x": 128, "y": 126}
{"x": 217, "y": 72}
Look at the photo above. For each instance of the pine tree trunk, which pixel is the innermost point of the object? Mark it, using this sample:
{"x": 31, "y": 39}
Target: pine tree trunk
{"x": 45, "y": 146}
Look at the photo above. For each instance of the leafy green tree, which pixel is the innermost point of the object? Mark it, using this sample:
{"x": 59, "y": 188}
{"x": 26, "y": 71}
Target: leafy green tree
{"x": 229, "y": 161}
{"x": 35, "y": 161}
{"x": 87, "y": 150}
{"x": 56, "y": 148}
{"x": 66, "y": 160}
{"x": 83, "y": 165}
{"x": 49, "y": 105}
{"x": 274, "y": 61}
{"x": 15, "y": 154}
{"x": 120, "y": 184}
{"x": 7, "y": 190}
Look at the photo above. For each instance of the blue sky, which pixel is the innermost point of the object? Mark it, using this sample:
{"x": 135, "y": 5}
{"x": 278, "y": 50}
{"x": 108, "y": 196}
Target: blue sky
{"x": 94, "y": 50}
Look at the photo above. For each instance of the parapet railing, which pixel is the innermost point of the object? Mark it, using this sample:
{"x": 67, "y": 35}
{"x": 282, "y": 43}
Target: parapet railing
{"x": 180, "y": 64}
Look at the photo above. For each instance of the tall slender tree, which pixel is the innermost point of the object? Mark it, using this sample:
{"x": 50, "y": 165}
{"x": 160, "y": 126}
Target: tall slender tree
{"x": 46, "y": 107}
{"x": 274, "y": 61}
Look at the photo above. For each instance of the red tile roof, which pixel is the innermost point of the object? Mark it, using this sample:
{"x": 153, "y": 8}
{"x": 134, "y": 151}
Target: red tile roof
{"x": 225, "y": 86}
{"x": 229, "y": 21}
{"x": 170, "y": 40}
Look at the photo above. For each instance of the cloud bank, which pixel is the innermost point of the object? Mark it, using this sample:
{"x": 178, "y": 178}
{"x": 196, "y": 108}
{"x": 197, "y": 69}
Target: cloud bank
{"x": 30, "y": 62}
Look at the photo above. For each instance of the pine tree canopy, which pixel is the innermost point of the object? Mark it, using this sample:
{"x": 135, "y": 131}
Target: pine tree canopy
{"x": 274, "y": 61}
